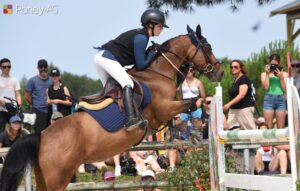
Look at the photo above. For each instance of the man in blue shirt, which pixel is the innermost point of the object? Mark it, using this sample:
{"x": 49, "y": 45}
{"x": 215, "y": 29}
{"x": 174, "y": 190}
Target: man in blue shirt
{"x": 129, "y": 49}
{"x": 36, "y": 95}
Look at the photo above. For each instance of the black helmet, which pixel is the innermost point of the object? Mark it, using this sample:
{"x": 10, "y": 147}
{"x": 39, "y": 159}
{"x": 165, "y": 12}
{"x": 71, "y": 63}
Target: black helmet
{"x": 154, "y": 16}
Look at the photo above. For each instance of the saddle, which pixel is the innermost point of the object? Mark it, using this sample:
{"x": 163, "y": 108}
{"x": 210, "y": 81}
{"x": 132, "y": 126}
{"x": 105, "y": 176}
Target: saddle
{"x": 112, "y": 92}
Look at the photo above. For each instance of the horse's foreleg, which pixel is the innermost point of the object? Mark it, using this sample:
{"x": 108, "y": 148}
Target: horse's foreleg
{"x": 40, "y": 182}
{"x": 169, "y": 108}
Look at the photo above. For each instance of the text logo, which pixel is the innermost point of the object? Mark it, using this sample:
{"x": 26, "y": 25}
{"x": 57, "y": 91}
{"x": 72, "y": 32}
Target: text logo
{"x": 7, "y": 9}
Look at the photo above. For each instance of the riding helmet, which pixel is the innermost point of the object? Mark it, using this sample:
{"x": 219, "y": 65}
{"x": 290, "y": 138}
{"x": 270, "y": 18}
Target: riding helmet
{"x": 153, "y": 16}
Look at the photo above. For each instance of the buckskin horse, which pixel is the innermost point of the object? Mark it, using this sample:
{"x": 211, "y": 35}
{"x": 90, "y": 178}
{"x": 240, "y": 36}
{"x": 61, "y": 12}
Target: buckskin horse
{"x": 58, "y": 151}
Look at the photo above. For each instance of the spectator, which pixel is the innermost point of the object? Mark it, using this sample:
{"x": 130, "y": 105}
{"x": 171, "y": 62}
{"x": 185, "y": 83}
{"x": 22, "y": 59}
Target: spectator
{"x": 296, "y": 74}
{"x": 206, "y": 117}
{"x": 116, "y": 159}
{"x": 144, "y": 158}
{"x": 272, "y": 159}
{"x": 148, "y": 176}
{"x": 191, "y": 88}
{"x": 9, "y": 87}
{"x": 36, "y": 95}
{"x": 174, "y": 155}
{"x": 109, "y": 178}
{"x": 58, "y": 94}
{"x": 273, "y": 81}
{"x": 262, "y": 159}
{"x": 241, "y": 104}
{"x": 12, "y": 133}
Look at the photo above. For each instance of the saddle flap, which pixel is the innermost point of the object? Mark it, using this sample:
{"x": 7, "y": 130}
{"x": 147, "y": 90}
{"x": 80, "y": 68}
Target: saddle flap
{"x": 111, "y": 90}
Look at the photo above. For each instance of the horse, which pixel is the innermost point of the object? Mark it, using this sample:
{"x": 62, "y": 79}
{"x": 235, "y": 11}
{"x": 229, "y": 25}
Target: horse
{"x": 57, "y": 152}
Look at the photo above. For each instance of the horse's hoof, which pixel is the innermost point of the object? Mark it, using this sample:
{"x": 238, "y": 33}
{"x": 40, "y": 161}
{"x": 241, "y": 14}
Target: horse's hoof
{"x": 138, "y": 124}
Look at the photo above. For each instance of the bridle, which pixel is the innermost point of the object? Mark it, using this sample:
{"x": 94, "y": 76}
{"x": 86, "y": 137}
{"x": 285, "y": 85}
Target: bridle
{"x": 201, "y": 43}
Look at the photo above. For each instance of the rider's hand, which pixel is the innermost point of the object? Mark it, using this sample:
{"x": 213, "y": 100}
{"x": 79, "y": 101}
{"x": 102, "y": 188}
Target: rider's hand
{"x": 155, "y": 48}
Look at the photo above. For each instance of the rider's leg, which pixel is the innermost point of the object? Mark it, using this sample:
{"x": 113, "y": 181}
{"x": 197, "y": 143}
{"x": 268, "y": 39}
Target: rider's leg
{"x": 110, "y": 67}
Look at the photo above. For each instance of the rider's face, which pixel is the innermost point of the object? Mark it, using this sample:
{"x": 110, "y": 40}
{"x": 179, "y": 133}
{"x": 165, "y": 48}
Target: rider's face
{"x": 157, "y": 29}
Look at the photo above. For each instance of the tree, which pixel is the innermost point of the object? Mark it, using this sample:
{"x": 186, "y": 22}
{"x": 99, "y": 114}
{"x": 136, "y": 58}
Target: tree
{"x": 188, "y": 5}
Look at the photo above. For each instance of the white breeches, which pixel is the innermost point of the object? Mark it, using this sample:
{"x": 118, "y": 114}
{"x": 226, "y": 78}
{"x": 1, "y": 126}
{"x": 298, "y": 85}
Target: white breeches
{"x": 107, "y": 68}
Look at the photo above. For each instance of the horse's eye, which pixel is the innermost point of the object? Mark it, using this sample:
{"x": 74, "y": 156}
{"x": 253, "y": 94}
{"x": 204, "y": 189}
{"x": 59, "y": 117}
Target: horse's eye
{"x": 207, "y": 47}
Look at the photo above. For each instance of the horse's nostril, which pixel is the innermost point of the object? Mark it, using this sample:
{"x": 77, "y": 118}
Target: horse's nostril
{"x": 222, "y": 73}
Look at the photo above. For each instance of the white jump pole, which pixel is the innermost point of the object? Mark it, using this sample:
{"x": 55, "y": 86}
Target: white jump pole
{"x": 289, "y": 85}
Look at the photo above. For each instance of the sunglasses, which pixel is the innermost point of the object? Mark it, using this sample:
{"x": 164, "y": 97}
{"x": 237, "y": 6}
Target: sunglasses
{"x": 5, "y": 67}
{"x": 295, "y": 66}
{"x": 43, "y": 67}
{"x": 235, "y": 67}
{"x": 208, "y": 102}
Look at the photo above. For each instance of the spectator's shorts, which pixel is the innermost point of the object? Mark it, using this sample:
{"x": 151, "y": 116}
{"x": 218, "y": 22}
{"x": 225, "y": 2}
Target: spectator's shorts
{"x": 195, "y": 114}
{"x": 274, "y": 102}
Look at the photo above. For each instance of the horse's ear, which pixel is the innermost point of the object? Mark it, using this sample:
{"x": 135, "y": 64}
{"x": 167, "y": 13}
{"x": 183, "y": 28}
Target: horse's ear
{"x": 198, "y": 31}
{"x": 189, "y": 29}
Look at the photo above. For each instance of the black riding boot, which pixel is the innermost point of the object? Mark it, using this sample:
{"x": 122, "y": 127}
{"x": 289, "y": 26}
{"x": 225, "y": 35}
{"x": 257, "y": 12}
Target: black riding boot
{"x": 133, "y": 121}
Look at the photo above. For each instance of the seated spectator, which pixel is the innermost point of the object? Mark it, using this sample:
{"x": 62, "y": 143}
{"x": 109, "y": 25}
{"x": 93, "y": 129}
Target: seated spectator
{"x": 12, "y": 133}
{"x": 281, "y": 159}
{"x": 174, "y": 155}
{"x": 143, "y": 159}
{"x": 148, "y": 176}
{"x": 263, "y": 158}
{"x": 109, "y": 178}
{"x": 269, "y": 159}
{"x": 116, "y": 159}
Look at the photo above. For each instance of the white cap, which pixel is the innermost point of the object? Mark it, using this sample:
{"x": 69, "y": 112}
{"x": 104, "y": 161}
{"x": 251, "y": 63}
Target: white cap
{"x": 148, "y": 173}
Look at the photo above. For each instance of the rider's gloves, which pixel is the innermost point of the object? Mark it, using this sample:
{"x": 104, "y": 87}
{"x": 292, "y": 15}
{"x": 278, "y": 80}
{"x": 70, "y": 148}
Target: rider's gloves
{"x": 155, "y": 48}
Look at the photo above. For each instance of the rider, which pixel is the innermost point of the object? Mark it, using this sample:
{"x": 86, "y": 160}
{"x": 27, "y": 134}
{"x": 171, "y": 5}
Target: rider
{"x": 129, "y": 48}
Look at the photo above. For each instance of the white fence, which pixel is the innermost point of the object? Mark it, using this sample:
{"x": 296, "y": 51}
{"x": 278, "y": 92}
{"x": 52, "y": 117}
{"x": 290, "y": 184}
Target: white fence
{"x": 220, "y": 179}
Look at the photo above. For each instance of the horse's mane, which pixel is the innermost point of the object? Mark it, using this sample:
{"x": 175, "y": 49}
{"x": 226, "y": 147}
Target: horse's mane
{"x": 166, "y": 44}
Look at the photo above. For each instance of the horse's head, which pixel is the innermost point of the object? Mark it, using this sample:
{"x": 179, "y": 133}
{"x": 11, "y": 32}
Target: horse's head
{"x": 200, "y": 53}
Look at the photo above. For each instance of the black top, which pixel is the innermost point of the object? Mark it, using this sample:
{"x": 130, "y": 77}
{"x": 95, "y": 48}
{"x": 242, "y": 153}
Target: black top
{"x": 247, "y": 101}
{"x": 205, "y": 119}
{"x": 6, "y": 142}
{"x": 59, "y": 94}
{"x": 123, "y": 46}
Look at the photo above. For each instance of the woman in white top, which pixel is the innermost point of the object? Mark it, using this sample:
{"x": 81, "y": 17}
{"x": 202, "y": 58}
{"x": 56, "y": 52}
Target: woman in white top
{"x": 192, "y": 88}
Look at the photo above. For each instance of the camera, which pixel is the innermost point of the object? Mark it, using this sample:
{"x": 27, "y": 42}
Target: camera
{"x": 273, "y": 67}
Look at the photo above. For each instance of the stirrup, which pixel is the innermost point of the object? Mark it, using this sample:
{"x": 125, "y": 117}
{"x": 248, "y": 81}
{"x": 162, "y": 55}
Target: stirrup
{"x": 136, "y": 123}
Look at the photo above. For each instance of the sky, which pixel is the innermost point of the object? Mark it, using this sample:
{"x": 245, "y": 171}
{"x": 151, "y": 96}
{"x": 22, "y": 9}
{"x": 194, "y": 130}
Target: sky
{"x": 64, "y": 32}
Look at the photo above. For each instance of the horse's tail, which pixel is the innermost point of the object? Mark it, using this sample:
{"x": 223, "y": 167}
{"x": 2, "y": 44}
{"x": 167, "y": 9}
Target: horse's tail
{"x": 24, "y": 150}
